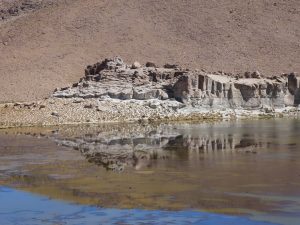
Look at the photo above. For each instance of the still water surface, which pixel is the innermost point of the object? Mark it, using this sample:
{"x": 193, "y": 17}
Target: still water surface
{"x": 243, "y": 172}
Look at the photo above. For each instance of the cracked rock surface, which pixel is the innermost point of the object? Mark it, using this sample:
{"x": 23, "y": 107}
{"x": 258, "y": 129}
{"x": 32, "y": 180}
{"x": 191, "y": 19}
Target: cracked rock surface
{"x": 114, "y": 79}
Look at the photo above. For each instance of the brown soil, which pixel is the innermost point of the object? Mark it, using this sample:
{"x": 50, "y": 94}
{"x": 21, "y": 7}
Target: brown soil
{"x": 50, "y": 45}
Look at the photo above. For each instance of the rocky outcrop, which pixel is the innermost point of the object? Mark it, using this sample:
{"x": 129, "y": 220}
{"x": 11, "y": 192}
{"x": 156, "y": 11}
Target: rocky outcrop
{"x": 112, "y": 78}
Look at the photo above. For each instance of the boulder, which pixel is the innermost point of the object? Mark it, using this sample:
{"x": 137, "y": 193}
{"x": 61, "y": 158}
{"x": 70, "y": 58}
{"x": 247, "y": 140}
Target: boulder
{"x": 247, "y": 75}
{"x": 171, "y": 66}
{"x": 136, "y": 65}
{"x": 150, "y": 64}
{"x": 256, "y": 74}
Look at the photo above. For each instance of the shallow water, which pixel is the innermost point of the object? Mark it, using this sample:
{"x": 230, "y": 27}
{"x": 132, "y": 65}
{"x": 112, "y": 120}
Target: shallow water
{"x": 244, "y": 172}
{"x": 27, "y": 209}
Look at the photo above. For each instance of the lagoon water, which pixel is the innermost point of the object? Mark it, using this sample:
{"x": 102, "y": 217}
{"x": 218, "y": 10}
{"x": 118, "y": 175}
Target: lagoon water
{"x": 28, "y": 209}
{"x": 242, "y": 172}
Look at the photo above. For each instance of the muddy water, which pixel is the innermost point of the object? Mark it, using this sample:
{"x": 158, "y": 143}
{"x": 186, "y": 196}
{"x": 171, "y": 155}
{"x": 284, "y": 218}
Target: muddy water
{"x": 249, "y": 169}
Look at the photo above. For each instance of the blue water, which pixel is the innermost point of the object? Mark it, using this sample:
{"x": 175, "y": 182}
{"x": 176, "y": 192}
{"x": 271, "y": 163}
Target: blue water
{"x": 22, "y": 208}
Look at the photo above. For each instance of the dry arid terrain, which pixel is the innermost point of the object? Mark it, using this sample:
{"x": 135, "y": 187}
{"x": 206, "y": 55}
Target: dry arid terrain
{"x": 46, "y": 44}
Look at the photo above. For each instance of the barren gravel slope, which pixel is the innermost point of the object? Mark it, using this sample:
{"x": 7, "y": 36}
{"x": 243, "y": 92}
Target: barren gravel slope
{"x": 49, "y": 47}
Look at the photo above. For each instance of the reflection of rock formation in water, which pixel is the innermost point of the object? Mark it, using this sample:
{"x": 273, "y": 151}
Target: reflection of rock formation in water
{"x": 116, "y": 153}
{"x": 116, "y": 146}
{"x": 209, "y": 144}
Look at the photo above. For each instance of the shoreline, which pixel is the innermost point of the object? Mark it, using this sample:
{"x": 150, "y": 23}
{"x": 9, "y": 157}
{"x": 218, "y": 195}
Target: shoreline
{"x": 112, "y": 91}
{"x": 70, "y": 111}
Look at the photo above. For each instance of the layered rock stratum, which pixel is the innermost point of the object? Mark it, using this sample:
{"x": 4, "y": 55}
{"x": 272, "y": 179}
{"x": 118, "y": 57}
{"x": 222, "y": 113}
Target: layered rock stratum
{"x": 112, "y": 78}
{"x": 113, "y": 91}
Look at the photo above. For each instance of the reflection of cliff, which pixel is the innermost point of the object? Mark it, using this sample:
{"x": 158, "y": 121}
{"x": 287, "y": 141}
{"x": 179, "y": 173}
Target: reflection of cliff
{"x": 119, "y": 152}
{"x": 210, "y": 144}
{"x": 116, "y": 147}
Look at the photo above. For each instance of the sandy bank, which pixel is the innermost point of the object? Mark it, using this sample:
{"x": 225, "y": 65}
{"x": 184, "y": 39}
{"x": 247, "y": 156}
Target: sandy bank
{"x": 78, "y": 111}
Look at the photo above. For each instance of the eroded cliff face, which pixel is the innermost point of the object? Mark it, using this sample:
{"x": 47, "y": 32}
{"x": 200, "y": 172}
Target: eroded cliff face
{"x": 112, "y": 91}
{"x": 114, "y": 79}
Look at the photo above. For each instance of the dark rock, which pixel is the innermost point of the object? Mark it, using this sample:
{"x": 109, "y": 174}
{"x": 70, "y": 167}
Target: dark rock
{"x": 150, "y": 64}
{"x": 292, "y": 83}
{"x": 55, "y": 114}
{"x": 247, "y": 75}
{"x": 85, "y": 85}
{"x": 256, "y": 74}
{"x": 88, "y": 106}
{"x": 171, "y": 66}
